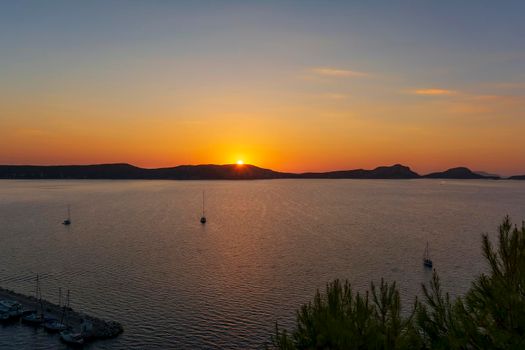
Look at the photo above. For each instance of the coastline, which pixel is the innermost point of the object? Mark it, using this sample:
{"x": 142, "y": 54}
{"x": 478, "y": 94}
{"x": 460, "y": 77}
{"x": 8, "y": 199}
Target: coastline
{"x": 124, "y": 171}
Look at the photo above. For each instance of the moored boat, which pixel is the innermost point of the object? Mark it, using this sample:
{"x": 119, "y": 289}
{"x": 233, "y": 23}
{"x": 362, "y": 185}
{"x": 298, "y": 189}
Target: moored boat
{"x": 67, "y": 221}
{"x": 203, "y": 217}
{"x": 72, "y": 338}
{"x": 427, "y": 262}
{"x": 33, "y": 317}
{"x": 12, "y": 308}
{"x": 54, "y": 326}
{"x": 4, "y": 316}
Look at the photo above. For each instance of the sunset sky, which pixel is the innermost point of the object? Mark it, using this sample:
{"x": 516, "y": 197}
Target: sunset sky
{"x": 287, "y": 85}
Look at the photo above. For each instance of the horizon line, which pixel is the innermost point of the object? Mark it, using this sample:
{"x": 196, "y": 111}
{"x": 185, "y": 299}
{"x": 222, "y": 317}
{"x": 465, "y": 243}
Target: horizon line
{"x": 485, "y": 173}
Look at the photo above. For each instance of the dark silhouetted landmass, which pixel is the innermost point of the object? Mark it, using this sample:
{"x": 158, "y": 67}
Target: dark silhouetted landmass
{"x": 517, "y": 177}
{"x": 397, "y": 171}
{"x": 99, "y": 171}
{"x": 127, "y": 171}
{"x": 217, "y": 172}
{"x": 221, "y": 172}
{"x": 458, "y": 173}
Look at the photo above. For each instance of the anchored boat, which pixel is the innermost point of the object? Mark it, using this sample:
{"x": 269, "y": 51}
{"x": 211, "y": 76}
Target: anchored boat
{"x": 67, "y": 222}
{"x": 427, "y": 262}
{"x": 203, "y": 217}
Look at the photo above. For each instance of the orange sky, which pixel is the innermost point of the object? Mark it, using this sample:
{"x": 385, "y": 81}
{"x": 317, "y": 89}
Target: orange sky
{"x": 282, "y": 87}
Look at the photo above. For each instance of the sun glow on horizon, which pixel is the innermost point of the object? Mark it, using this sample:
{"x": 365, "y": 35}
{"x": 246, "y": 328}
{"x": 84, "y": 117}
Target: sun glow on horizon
{"x": 287, "y": 87}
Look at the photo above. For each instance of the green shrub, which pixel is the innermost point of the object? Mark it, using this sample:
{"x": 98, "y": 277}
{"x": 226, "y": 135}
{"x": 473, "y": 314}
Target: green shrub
{"x": 490, "y": 316}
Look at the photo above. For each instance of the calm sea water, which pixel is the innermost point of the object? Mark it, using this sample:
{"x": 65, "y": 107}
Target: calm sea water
{"x": 136, "y": 252}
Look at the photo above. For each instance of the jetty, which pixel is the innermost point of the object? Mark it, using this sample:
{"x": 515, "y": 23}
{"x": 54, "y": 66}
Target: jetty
{"x": 99, "y": 329}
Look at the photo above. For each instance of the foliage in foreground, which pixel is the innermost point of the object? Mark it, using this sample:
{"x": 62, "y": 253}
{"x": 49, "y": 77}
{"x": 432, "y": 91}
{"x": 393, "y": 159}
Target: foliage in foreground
{"x": 490, "y": 316}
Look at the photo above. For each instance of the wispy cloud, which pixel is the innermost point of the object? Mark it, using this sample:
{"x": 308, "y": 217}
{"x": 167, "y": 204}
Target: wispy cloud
{"x": 338, "y": 73}
{"x": 434, "y": 92}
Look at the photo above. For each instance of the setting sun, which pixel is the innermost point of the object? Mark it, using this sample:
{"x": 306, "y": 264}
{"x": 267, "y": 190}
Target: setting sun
{"x": 389, "y": 128}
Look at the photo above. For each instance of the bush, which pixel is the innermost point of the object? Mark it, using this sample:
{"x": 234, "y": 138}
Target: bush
{"x": 490, "y": 316}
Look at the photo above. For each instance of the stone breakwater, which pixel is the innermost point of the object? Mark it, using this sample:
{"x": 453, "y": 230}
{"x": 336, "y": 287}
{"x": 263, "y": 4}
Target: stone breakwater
{"x": 100, "y": 329}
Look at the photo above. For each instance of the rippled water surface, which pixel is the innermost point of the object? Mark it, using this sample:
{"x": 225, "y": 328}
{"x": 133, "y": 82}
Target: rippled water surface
{"x": 136, "y": 252}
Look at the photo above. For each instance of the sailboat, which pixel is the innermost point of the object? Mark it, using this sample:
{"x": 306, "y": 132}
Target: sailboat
{"x": 427, "y": 262}
{"x": 203, "y": 217}
{"x": 68, "y": 335}
{"x": 33, "y": 317}
{"x": 10, "y": 310}
{"x": 68, "y": 220}
{"x": 54, "y": 325}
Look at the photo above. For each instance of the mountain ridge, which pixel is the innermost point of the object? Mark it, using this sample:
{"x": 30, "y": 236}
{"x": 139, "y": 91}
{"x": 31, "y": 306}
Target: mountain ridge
{"x": 221, "y": 172}
{"x": 459, "y": 173}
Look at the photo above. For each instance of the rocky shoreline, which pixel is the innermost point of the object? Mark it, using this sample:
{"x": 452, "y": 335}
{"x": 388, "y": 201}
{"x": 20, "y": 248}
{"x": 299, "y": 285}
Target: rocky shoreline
{"x": 100, "y": 329}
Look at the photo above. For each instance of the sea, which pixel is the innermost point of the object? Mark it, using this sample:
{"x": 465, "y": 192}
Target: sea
{"x": 137, "y": 253}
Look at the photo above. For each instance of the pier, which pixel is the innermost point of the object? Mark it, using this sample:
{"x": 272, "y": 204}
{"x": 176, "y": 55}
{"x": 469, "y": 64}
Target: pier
{"x": 99, "y": 329}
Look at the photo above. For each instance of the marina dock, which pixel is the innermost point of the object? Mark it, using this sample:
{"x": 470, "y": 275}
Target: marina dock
{"x": 99, "y": 329}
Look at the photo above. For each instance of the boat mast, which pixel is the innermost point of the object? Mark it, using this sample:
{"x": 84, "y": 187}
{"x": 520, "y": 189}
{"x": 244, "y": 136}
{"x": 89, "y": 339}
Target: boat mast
{"x": 36, "y": 290}
{"x": 39, "y": 297}
{"x": 64, "y": 317}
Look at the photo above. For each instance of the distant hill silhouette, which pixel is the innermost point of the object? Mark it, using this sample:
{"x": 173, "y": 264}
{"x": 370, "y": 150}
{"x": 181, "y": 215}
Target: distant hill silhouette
{"x": 220, "y": 172}
{"x": 216, "y": 172}
{"x": 517, "y": 177}
{"x": 397, "y": 171}
{"x": 127, "y": 171}
{"x": 98, "y": 171}
{"x": 459, "y": 173}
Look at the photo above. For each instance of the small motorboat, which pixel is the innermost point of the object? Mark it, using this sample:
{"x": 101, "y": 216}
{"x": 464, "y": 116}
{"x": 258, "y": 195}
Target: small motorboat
{"x": 72, "y": 338}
